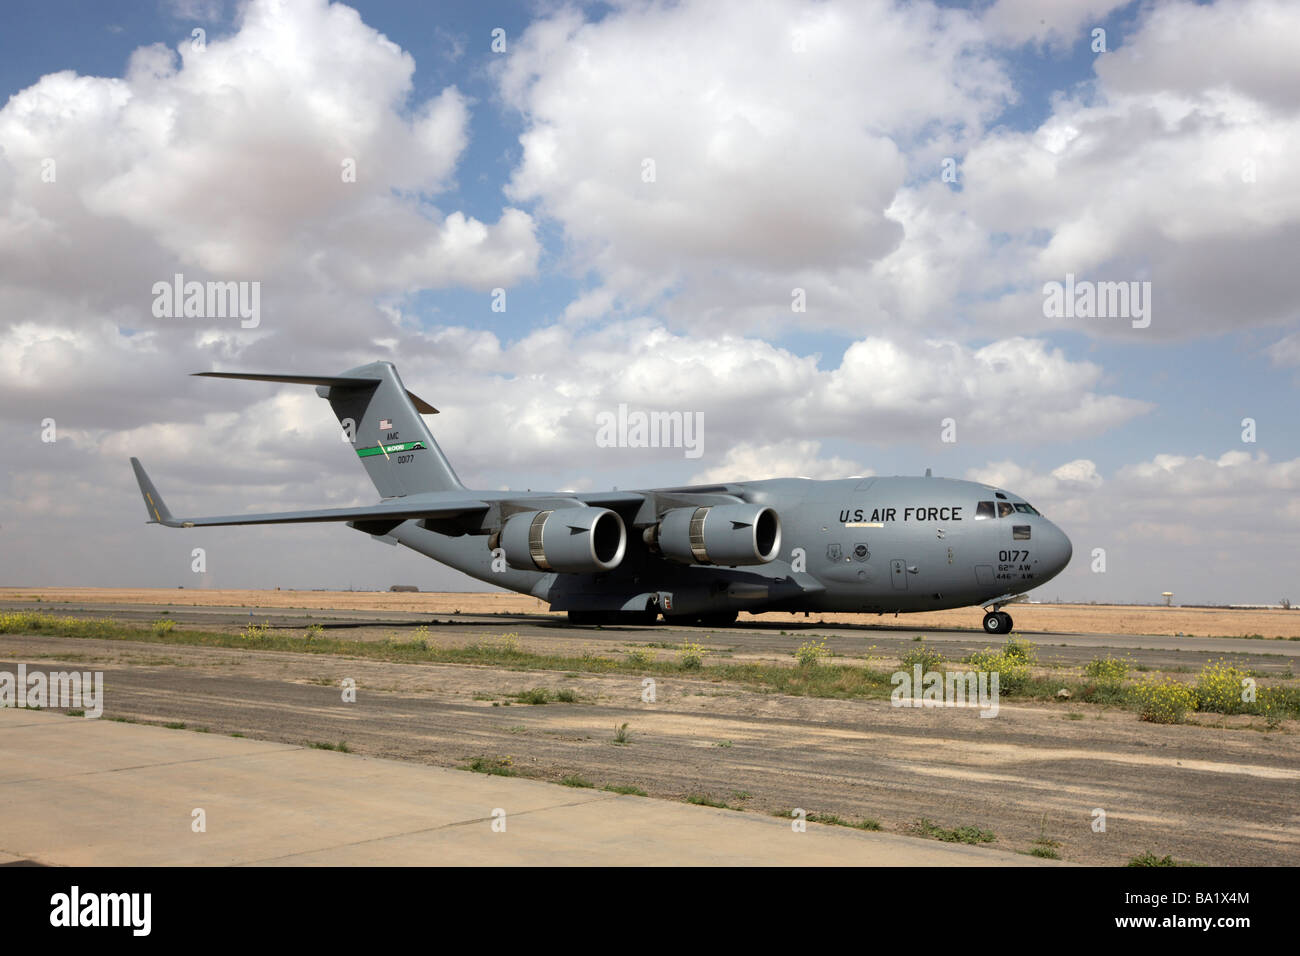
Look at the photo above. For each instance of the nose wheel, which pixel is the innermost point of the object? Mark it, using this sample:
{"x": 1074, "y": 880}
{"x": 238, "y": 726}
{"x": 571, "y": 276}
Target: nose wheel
{"x": 997, "y": 622}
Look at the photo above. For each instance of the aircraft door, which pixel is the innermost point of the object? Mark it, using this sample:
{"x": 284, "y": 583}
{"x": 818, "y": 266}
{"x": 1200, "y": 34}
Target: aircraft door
{"x": 898, "y": 574}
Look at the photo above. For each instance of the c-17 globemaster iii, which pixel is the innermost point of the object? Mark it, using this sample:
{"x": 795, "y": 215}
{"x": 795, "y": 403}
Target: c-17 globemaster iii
{"x": 696, "y": 555}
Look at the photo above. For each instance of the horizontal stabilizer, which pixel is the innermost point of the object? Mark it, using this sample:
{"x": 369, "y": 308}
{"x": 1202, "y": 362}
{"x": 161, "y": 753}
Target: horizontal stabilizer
{"x": 329, "y": 381}
{"x": 342, "y": 381}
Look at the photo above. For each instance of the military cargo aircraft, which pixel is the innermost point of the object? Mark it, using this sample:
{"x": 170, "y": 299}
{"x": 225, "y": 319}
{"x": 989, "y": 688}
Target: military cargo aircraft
{"x": 697, "y": 554}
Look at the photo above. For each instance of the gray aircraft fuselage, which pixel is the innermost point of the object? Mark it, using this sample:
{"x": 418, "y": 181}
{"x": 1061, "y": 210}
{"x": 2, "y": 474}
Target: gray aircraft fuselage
{"x": 882, "y": 545}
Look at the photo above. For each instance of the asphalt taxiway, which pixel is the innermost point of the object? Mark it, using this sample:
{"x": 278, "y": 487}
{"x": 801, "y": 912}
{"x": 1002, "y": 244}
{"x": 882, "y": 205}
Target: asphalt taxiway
{"x": 79, "y": 792}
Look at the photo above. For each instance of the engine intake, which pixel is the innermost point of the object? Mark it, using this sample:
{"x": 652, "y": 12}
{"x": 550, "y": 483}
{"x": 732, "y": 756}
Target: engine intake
{"x": 729, "y": 535}
{"x": 572, "y": 540}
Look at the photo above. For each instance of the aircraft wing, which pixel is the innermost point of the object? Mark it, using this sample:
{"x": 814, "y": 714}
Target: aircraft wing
{"x": 159, "y": 513}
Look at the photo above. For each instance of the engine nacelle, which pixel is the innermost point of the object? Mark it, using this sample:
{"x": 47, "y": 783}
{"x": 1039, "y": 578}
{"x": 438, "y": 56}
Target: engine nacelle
{"x": 728, "y": 535}
{"x": 573, "y": 540}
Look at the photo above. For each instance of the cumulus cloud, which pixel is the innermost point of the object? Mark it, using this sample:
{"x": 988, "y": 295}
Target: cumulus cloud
{"x": 231, "y": 157}
{"x": 1170, "y": 168}
{"x": 1228, "y": 478}
{"x": 771, "y": 168}
{"x": 750, "y": 392}
{"x": 289, "y": 152}
{"x": 1080, "y": 471}
{"x": 773, "y": 173}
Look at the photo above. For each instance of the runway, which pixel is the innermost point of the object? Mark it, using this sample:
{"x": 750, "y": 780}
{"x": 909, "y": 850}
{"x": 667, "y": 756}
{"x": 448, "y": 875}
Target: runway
{"x": 78, "y": 792}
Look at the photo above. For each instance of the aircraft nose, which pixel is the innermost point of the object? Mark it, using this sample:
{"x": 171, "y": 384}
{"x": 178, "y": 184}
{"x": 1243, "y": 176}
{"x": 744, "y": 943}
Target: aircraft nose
{"x": 1058, "y": 548}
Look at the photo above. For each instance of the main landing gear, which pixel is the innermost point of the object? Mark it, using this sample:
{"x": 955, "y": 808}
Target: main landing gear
{"x": 997, "y": 622}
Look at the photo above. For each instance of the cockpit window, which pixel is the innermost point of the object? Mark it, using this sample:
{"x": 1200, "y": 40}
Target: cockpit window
{"x": 1025, "y": 508}
{"x": 984, "y": 510}
{"x": 1005, "y": 508}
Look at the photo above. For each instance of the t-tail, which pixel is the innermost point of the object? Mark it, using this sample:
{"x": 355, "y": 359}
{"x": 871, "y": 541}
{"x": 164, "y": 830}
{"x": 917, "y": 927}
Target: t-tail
{"x": 381, "y": 420}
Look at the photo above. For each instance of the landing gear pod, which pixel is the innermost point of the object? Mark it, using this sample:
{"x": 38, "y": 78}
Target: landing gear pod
{"x": 728, "y": 535}
{"x": 573, "y": 540}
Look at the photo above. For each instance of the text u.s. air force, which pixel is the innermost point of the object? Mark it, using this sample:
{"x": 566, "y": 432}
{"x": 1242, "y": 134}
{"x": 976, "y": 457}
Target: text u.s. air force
{"x": 946, "y": 513}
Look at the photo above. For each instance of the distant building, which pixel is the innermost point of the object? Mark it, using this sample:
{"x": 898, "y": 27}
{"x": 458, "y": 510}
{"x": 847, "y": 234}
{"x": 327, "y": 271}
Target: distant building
{"x": 403, "y": 587}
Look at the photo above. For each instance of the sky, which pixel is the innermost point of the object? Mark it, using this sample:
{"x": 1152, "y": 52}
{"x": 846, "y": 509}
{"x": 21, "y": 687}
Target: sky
{"x": 833, "y": 230}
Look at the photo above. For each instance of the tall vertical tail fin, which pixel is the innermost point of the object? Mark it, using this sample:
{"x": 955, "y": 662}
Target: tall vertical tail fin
{"x": 382, "y": 421}
{"x": 391, "y": 439}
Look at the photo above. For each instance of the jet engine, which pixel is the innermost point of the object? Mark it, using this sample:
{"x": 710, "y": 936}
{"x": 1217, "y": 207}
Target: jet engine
{"x": 728, "y": 535}
{"x": 574, "y": 540}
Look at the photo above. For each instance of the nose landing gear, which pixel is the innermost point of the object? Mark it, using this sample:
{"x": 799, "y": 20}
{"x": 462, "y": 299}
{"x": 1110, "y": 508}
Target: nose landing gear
{"x": 997, "y": 622}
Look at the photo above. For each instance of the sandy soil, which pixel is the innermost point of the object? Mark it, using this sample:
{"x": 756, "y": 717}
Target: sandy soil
{"x": 1051, "y": 618}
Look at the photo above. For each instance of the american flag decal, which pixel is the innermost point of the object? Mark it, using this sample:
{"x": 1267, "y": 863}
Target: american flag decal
{"x": 385, "y": 423}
